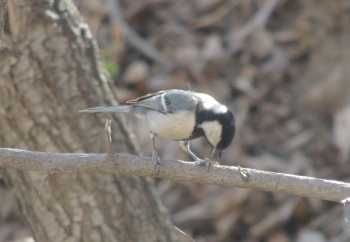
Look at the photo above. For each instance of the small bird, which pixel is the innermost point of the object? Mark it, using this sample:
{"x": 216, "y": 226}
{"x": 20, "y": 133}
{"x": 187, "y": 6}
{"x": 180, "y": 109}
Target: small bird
{"x": 181, "y": 115}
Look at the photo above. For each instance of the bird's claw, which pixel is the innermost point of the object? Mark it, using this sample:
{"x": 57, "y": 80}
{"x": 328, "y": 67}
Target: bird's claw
{"x": 204, "y": 163}
{"x": 201, "y": 162}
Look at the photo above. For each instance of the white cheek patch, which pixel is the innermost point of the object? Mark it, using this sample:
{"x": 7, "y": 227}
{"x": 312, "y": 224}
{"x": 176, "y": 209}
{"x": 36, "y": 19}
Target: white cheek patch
{"x": 213, "y": 131}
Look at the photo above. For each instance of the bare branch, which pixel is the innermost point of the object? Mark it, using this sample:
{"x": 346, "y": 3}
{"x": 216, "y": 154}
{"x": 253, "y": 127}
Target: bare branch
{"x": 259, "y": 20}
{"x": 126, "y": 164}
{"x": 135, "y": 40}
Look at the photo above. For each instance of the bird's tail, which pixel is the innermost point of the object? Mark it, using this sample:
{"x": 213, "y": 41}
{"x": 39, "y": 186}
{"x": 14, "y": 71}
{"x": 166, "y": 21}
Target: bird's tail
{"x": 108, "y": 109}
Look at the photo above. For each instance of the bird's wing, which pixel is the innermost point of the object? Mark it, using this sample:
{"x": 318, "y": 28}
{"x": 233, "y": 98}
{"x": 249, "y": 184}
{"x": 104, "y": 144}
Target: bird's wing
{"x": 166, "y": 101}
{"x": 144, "y": 97}
{"x": 151, "y": 101}
{"x": 180, "y": 100}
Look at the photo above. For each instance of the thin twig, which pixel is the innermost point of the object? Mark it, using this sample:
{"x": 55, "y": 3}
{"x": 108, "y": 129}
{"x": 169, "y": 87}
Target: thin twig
{"x": 134, "y": 39}
{"x": 126, "y": 164}
{"x": 259, "y": 20}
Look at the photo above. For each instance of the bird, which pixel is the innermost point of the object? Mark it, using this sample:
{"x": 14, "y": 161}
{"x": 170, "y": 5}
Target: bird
{"x": 180, "y": 115}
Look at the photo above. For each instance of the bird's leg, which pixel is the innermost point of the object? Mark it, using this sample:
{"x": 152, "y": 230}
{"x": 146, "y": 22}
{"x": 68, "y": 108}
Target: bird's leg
{"x": 212, "y": 153}
{"x": 155, "y": 155}
{"x": 186, "y": 146}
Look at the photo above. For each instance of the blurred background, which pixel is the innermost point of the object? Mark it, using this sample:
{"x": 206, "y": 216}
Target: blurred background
{"x": 282, "y": 66}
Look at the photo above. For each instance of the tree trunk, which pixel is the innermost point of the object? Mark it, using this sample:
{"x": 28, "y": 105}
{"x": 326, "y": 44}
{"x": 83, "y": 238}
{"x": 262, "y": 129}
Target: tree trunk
{"x": 48, "y": 71}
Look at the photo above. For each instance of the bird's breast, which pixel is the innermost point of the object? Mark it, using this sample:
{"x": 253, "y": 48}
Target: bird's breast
{"x": 175, "y": 126}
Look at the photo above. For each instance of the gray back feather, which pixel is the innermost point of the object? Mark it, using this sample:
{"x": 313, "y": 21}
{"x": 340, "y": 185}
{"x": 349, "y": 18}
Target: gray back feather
{"x": 174, "y": 101}
{"x": 180, "y": 100}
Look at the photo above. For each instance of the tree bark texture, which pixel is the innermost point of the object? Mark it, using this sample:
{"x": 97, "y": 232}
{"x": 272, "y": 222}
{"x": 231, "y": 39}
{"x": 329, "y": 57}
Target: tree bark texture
{"x": 48, "y": 71}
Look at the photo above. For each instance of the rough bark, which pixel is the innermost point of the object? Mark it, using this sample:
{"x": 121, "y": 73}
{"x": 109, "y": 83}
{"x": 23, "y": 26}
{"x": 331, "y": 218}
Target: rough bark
{"x": 48, "y": 71}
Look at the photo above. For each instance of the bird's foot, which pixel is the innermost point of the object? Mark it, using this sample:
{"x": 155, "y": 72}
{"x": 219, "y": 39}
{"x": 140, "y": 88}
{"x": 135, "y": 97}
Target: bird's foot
{"x": 201, "y": 162}
{"x": 204, "y": 163}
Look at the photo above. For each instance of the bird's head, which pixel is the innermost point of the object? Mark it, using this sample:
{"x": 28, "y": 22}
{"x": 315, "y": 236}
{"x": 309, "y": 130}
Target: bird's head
{"x": 218, "y": 125}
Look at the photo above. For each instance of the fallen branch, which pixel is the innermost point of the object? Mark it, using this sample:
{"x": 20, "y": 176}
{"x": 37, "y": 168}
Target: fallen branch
{"x": 126, "y": 164}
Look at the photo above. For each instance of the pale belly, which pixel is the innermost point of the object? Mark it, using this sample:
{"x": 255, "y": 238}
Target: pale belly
{"x": 177, "y": 126}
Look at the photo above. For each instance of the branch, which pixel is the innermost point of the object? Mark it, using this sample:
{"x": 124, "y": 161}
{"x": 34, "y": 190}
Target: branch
{"x": 259, "y": 20}
{"x": 135, "y": 40}
{"x": 126, "y": 164}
